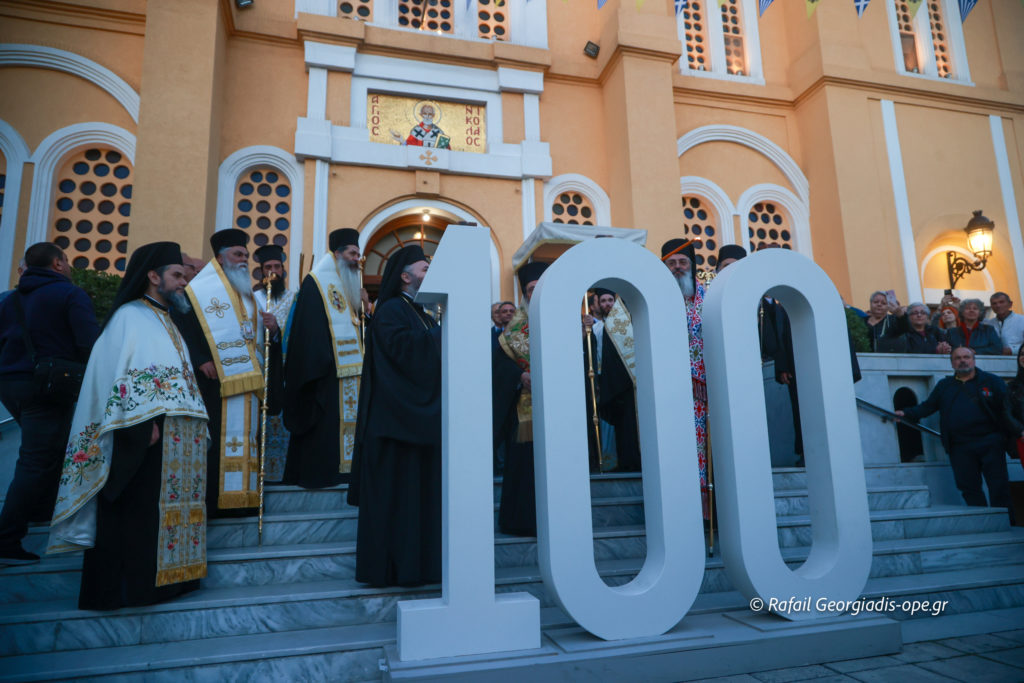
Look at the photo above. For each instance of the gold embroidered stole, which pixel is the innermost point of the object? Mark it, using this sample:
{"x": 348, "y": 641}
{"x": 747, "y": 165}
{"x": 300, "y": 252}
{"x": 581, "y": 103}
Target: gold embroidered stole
{"x": 348, "y": 352}
{"x": 181, "y": 546}
{"x": 232, "y": 335}
{"x": 515, "y": 342}
{"x": 618, "y": 325}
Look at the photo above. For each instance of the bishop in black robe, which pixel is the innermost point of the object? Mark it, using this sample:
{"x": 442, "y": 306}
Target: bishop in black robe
{"x": 396, "y": 465}
{"x": 312, "y": 411}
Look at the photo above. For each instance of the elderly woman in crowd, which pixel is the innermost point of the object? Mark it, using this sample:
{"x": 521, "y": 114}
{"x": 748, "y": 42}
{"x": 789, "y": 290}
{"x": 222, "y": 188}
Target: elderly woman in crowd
{"x": 921, "y": 337}
{"x": 984, "y": 339}
{"x": 885, "y": 322}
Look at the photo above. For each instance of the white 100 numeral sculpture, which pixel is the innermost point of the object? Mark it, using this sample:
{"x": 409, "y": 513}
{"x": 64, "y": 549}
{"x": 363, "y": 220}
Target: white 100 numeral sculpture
{"x": 470, "y": 618}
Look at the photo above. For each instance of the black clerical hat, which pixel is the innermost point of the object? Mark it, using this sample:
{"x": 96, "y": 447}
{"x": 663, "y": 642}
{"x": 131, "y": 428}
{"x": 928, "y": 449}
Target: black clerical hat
{"x": 685, "y": 247}
{"x": 391, "y": 282}
{"x": 341, "y": 238}
{"x": 530, "y": 272}
{"x": 731, "y": 251}
{"x": 231, "y": 237}
{"x": 268, "y": 252}
{"x": 136, "y": 275}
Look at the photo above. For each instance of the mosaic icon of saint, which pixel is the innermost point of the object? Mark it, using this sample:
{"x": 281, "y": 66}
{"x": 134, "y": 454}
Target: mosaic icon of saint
{"x": 426, "y": 133}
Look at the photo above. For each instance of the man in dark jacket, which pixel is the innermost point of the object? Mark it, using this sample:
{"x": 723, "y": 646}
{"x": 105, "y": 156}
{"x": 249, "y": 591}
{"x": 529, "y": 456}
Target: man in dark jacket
{"x": 974, "y": 422}
{"x": 60, "y": 324}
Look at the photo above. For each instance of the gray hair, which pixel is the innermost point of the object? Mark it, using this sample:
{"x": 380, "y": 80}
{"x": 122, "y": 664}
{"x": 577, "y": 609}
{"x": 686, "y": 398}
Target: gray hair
{"x": 977, "y": 302}
{"x": 874, "y": 294}
{"x": 918, "y": 304}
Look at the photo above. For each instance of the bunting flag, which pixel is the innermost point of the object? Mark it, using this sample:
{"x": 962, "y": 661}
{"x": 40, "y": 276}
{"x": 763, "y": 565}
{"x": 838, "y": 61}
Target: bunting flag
{"x": 914, "y": 5}
{"x": 722, "y": 2}
{"x": 811, "y": 6}
{"x": 861, "y": 5}
{"x": 762, "y": 5}
{"x": 965, "y": 8}
{"x": 684, "y": 4}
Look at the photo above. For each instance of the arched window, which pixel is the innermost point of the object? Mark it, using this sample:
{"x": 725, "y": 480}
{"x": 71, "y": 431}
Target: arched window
{"x": 263, "y": 208}
{"x": 360, "y": 10}
{"x": 92, "y": 206}
{"x": 722, "y": 43}
{"x": 768, "y": 225}
{"x": 699, "y": 220}
{"x": 929, "y": 43}
{"x": 573, "y": 208}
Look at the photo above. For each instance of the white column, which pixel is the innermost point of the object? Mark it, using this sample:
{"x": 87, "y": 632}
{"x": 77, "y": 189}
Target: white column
{"x": 1009, "y": 199}
{"x": 316, "y": 95}
{"x": 899, "y": 192}
{"x": 529, "y": 206}
{"x": 321, "y": 179}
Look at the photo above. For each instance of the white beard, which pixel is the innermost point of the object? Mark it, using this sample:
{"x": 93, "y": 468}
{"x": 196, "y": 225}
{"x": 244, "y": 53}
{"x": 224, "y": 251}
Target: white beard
{"x": 685, "y": 283}
{"x": 350, "y": 285}
{"x": 238, "y": 276}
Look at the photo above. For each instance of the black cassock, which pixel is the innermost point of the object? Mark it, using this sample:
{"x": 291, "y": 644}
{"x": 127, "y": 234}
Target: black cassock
{"x": 517, "y": 512}
{"x": 396, "y": 464}
{"x": 199, "y": 352}
{"x": 617, "y": 405}
{"x": 312, "y": 409}
{"x": 120, "y": 569}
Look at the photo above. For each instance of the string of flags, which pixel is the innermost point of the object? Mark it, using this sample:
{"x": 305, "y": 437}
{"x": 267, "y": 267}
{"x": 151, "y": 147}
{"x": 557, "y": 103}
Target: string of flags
{"x": 965, "y": 6}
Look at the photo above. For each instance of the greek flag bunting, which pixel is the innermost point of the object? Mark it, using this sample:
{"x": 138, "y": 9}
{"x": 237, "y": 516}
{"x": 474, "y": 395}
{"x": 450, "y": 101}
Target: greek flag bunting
{"x": 965, "y": 8}
{"x": 811, "y": 6}
{"x": 681, "y": 5}
{"x": 762, "y": 5}
{"x": 861, "y": 5}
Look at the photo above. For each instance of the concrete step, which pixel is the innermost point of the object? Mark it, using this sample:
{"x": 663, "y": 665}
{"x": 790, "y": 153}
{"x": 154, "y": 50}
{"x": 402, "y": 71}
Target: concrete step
{"x": 56, "y": 625}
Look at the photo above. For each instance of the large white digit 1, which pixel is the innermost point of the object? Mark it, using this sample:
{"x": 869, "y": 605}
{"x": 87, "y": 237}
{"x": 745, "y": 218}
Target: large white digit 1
{"x": 668, "y": 582}
{"x": 840, "y": 556}
{"x": 468, "y": 618}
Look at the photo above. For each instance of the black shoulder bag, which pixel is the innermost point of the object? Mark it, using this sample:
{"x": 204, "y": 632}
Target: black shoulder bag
{"x": 58, "y": 379}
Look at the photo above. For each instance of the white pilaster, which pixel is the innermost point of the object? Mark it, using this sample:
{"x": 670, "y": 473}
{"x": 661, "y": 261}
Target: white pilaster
{"x": 1009, "y": 199}
{"x": 899, "y": 191}
{"x": 321, "y": 180}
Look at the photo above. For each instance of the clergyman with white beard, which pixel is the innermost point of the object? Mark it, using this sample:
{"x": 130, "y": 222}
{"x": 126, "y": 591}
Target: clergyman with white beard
{"x": 224, "y": 333}
{"x": 325, "y": 360}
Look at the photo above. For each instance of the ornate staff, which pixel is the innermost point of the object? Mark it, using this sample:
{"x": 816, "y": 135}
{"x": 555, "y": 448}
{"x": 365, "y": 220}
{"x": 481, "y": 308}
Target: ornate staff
{"x": 706, "y": 276}
{"x": 593, "y": 391}
{"x": 362, "y": 306}
{"x": 263, "y": 409}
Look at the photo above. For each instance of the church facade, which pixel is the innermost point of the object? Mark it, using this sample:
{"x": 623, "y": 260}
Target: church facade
{"x": 864, "y": 142}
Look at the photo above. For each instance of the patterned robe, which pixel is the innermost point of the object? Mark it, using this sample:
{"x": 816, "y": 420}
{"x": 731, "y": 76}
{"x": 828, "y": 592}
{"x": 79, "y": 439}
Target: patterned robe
{"x": 694, "y": 309}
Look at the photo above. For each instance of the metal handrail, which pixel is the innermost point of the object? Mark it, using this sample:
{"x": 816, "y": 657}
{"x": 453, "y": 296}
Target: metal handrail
{"x": 887, "y": 415}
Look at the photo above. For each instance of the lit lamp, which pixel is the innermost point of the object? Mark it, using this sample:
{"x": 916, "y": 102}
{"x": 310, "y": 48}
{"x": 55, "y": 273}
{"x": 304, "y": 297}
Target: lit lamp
{"x": 979, "y": 242}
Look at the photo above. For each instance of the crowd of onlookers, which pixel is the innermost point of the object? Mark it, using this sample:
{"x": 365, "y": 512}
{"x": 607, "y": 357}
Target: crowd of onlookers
{"x": 916, "y": 328}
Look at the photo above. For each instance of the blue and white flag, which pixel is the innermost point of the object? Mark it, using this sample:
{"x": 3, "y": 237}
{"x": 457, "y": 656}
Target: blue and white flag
{"x": 762, "y": 5}
{"x": 861, "y": 5}
{"x": 681, "y": 5}
{"x": 965, "y": 8}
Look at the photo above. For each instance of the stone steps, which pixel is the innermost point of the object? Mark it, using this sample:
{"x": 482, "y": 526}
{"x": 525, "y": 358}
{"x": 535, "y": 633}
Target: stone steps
{"x": 57, "y": 625}
{"x": 351, "y": 653}
{"x": 57, "y": 576}
{"x": 282, "y": 527}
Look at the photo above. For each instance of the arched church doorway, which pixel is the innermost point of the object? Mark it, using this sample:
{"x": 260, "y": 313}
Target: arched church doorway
{"x": 415, "y": 221}
{"x": 422, "y": 227}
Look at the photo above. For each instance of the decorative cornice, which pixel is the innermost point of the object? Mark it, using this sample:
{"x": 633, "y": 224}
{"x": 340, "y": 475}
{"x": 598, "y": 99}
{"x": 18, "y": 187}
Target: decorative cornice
{"x": 19, "y": 54}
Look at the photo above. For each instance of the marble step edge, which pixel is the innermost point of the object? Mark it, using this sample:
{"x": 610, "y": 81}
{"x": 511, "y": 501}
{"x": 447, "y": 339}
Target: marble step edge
{"x": 204, "y": 652}
{"x": 64, "y": 665}
{"x": 235, "y": 596}
{"x": 352, "y": 513}
{"x": 73, "y": 561}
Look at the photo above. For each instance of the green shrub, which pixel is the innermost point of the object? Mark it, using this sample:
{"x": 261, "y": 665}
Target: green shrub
{"x": 100, "y": 287}
{"x": 858, "y": 331}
